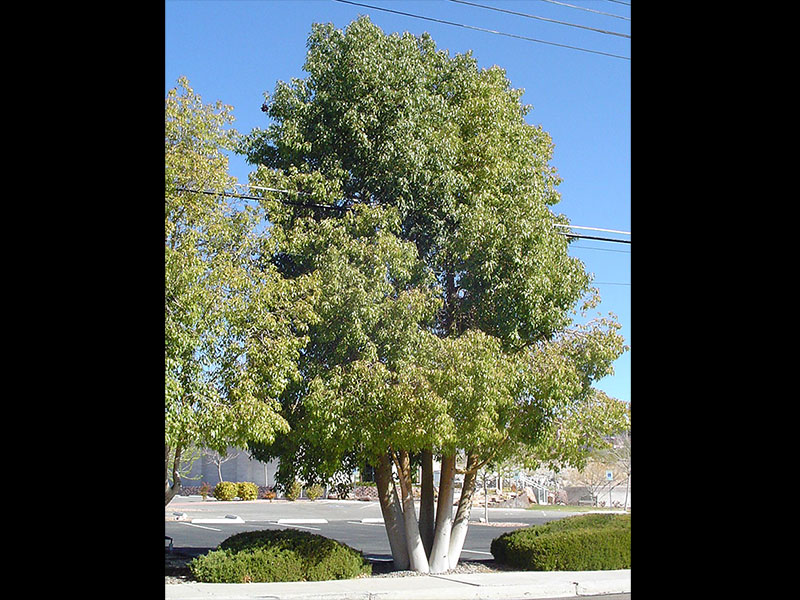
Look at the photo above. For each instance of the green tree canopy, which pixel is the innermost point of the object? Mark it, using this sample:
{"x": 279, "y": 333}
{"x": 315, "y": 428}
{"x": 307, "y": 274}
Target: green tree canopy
{"x": 445, "y": 317}
{"x": 233, "y": 329}
{"x": 395, "y": 122}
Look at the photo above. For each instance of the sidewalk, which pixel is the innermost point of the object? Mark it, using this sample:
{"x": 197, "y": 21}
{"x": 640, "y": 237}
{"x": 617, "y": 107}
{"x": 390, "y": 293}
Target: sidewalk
{"x": 475, "y": 586}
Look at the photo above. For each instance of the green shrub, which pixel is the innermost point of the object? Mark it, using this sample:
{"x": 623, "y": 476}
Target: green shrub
{"x": 258, "y": 565}
{"x": 225, "y": 490}
{"x": 278, "y": 555}
{"x": 246, "y": 490}
{"x": 315, "y": 491}
{"x": 293, "y": 491}
{"x": 582, "y": 543}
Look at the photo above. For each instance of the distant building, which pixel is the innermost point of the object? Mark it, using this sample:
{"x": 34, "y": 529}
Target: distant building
{"x": 239, "y": 467}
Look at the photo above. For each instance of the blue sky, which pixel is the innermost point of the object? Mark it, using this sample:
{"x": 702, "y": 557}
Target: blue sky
{"x": 234, "y": 51}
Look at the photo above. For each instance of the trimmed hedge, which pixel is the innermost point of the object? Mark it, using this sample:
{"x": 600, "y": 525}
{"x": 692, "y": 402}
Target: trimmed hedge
{"x": 225, "y": 490}
{"x": 591, "y": 542}
{"x": 278, "y": 555}
{"x": 247, "y": 490}
{"x": 229, "y": 490}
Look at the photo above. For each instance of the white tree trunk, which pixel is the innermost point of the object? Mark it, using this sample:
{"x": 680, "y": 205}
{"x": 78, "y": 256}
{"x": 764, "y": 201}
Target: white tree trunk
{"x": 461, "y": 523}
{"x": 485, "y": 499}
{"x": 439, "y": 558}
{"x": 627, "y": 487}
{"x": 418, "y": 560}
{"x": 392, "y": 514}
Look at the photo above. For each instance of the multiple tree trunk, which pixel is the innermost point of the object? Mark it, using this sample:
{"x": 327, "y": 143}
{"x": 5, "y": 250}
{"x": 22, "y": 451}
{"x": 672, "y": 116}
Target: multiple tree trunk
{"x": 432, "y": 542}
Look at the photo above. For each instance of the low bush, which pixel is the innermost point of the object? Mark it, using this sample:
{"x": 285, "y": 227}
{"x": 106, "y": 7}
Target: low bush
{"x": 315, "y": 491}
{"x": 583, "y": 543}
{"x": 293, "y": 491}
{"x": 247, "y": 490}
{"x": 278, "y": 555}
{"x": 226, "y": 490}
{"x": 205, "y": 490}
{"x": 258, "y": 565}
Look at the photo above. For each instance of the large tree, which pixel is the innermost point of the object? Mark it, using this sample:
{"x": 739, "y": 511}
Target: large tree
{"x": 233, "y": 329}
{"x": 446, "y": 323}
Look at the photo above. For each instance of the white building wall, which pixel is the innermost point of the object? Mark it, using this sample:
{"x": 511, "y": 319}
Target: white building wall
{"x": 239, "y": 468}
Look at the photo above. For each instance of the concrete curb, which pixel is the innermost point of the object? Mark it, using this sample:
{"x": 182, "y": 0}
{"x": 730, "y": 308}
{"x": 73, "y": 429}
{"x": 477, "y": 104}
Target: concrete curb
{"x": 476, "y": 586}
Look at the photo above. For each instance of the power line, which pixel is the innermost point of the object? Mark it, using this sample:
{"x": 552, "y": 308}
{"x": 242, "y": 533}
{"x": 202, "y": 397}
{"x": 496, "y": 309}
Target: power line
{"x": 344, "y": 208}
{"x": 512, "y": 12}
{"x": 594, "y": 237}
{"x": 601, "y": 249}
{"x": 269, "y": 189}
{"x": 512, "y": 35}
{"x": 588, "y": 9}
{"x": 287, "y": 202}
{"x": 593, "y": 228}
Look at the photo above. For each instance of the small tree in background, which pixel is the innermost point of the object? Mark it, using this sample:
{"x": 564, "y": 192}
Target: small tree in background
{"x": 233, "y": 329}
{"x": 593, "y": 477}
{"x": 619, "y": 455}
{"x": 215, "y": 458}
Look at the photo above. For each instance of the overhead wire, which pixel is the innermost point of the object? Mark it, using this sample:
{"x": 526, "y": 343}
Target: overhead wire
{"x": 601, "y": 249}
{"x": 246, "y": 197}
{"x": 546, "y": 19}
{"x": 588, "y": 9}
{"x": 593, "y": 228}
{"x": 473, "y": 27}
{"x": 592, "y": 237}
{"x": 595, "y": 237}
{"x": 344, "y": 208}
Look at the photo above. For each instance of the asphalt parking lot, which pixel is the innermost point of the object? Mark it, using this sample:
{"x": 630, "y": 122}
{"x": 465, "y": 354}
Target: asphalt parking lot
{"x": 195, "y": 525}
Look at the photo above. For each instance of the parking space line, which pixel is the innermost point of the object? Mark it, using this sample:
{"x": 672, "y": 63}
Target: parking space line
{"x": 300, "y": 521}
{"x": 200, "y": 526}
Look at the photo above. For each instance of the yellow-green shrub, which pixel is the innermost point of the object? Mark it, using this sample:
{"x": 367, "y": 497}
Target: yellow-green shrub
{"x": 314, "y": 491}
{"x": 293, "y": 491}
{"x": 225, "y": 490}
{"x": 247, "y": 490}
